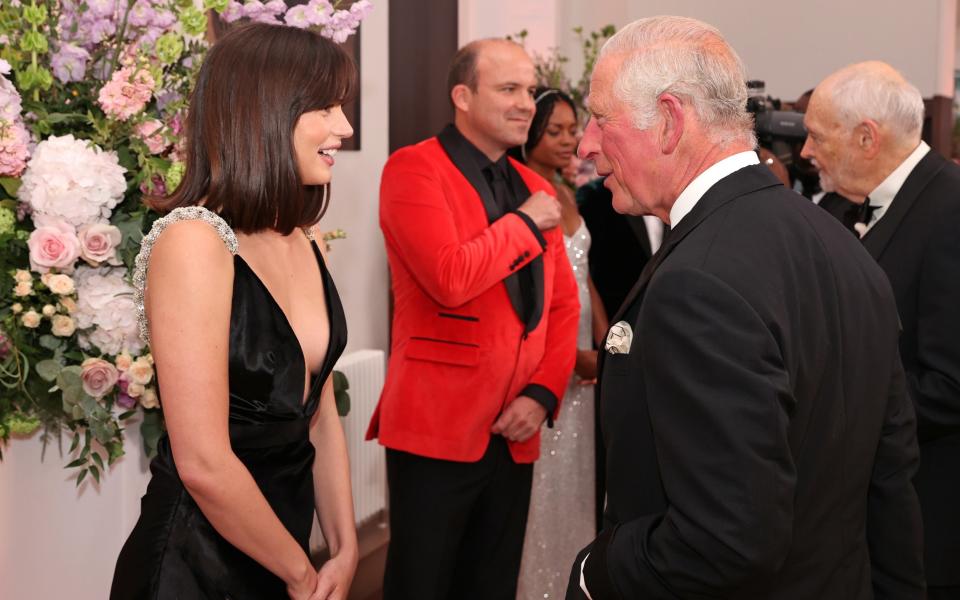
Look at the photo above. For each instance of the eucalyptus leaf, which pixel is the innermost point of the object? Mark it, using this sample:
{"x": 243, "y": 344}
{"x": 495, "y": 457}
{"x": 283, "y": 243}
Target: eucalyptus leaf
{"x": 48, "y": 370}
{"x": 97, "y": 459}
{"x": 151, "y": 430}
{"x": 80, "y": 477}
{"x": 95, "y": 472}
{"x": 49, "y": 342}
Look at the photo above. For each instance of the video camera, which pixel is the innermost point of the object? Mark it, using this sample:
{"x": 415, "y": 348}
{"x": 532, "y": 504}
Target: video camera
{"x": 776, "y": 129}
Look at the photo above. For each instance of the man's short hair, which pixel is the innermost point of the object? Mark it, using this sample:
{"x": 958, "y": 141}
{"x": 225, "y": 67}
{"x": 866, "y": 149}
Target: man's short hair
{"x": 875, "y": 90}
{"x": 463, "y": 67}
{"x": 689, "y": 59}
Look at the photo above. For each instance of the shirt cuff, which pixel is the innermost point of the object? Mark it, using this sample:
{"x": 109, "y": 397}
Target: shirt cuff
{"x": 545, "y": 397}
{"x": 583, "y": 583}
{"x": 533, "y": 227}
{"x": 597, "y": 570}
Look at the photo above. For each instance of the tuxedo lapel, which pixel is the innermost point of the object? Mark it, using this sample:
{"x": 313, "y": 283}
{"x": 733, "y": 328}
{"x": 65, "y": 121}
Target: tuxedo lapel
{"x": 454, "y": 145}
{"x": 639, "y": 228}
{"x": 879, "y": 236}
{"x": 746, "y": 180}
{"x": 535, "y": 266}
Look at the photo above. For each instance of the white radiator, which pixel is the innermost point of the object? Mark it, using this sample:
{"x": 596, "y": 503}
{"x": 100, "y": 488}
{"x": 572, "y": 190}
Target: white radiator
{"x": 368, "y": 471}
{"x": 365, "y": 370}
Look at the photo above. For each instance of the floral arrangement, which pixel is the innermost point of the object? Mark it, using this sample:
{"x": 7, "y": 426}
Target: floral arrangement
{"x": 92, "y": 95}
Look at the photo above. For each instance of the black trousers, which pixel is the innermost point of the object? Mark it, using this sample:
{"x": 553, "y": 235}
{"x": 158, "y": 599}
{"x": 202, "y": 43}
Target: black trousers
{"x": 456, "y": 529}
{"x": 951, "y": 592}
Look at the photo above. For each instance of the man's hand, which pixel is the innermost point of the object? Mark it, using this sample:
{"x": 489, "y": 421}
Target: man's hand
{"x": 543, "y": 209}
{"x": 520, "y": 420}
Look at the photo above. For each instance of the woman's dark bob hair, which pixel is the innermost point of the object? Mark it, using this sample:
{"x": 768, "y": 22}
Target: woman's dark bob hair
{"x": 253, "y": 86}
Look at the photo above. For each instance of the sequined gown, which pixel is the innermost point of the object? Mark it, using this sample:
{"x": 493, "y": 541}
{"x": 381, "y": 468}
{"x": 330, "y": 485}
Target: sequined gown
{"x": 562, "y": 516}
{"x": 174, "y": 552}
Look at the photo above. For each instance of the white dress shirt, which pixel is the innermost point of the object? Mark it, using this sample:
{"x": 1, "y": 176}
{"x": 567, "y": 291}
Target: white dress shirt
{"x": 654, "y": 232}
{"x": 881, "y": 197}
{"x": 704, "y": 181}
{"x": 685, "y": 202}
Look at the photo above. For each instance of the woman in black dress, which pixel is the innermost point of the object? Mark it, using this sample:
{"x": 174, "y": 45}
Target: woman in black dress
{"x": 245, "y": 325}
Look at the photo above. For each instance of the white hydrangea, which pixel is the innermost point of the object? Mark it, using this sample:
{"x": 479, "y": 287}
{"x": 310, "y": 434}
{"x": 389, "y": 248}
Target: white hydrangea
{"x": 74, "y": 180}
{"x": 106, "y": 314}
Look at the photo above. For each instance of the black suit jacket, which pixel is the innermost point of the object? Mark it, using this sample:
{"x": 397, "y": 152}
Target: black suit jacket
{"x": 760, "y": 440}
{"x": 917, "y": 243}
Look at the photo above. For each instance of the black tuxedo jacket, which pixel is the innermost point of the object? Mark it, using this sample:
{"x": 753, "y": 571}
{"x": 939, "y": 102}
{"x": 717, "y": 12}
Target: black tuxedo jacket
{"x": 760, "y": 439}
{"x": 917, "y": 243}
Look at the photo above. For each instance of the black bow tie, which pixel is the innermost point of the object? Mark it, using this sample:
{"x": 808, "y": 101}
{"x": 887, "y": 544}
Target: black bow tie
{"x": 866, "y": 211}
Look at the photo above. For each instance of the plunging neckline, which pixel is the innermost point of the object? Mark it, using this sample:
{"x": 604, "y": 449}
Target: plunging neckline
{"x": 305, "y": 399}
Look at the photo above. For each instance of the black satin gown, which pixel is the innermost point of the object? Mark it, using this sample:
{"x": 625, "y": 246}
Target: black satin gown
{"x": 174, "y": 552}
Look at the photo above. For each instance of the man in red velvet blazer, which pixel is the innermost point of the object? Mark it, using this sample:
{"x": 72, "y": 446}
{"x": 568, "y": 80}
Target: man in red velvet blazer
{"x": 484, "y": 336}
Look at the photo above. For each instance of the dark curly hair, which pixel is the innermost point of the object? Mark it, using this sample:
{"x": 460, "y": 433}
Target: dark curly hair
{"x": 546, "y": 99}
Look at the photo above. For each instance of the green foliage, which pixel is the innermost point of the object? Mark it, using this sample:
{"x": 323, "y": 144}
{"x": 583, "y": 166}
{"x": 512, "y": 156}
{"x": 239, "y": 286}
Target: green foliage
{"x": 340, "y": 387}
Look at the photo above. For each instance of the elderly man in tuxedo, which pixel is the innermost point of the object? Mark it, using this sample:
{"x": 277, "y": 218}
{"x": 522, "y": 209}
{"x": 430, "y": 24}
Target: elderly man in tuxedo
{"x": 865, "y": 122}
{"x": 760, "y": 439}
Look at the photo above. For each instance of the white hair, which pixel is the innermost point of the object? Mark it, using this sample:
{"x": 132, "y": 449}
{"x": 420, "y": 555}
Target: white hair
{"x": 877, "y": 92}
{"x": 688, "y": 59}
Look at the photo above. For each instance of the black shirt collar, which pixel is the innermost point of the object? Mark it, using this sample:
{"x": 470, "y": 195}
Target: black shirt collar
{"x": 478, "y": 157}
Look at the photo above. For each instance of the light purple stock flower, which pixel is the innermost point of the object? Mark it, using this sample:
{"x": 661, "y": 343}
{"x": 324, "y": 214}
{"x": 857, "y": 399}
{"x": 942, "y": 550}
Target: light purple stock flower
{"x": 233, "y": 12}
{"x": 298, "y": 16}
{"x": 142, "y": 14}
{"x": 69, "y": 63}
{"x": 103, "y": 8}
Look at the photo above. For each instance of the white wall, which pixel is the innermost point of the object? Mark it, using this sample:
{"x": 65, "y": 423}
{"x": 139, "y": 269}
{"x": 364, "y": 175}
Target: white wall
{"x": 358, "y": 263}
{"x": 790, "y": 46}
{"x": 497, "y": 18}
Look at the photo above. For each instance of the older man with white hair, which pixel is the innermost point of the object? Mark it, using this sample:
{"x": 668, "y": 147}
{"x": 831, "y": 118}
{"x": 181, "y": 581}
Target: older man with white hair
{"x": 760, "y": 440}
{"x": 865, "y": 122}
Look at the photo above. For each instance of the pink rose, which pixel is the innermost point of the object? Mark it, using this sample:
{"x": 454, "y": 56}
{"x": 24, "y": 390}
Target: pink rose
{"x": 98, "y": 244}
{"x": 98, "y": 377}
{"x": 53, "y": 244}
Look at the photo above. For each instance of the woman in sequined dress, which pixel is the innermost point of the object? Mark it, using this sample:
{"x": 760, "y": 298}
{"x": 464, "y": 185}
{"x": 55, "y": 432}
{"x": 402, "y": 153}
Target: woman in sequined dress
{"x": 245, "y": 325}
{"x": 562, "y": 505}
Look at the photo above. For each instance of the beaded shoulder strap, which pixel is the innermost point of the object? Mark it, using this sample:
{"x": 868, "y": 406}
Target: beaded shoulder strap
{"x": 184, "y": 213}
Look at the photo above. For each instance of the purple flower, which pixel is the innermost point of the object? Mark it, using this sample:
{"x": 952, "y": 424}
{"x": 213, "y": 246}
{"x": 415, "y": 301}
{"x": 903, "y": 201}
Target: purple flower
{"x": 142, "y": 14}
{"x": 276, "y": 7}
{"x": 125, "y": 402}
{"x": 298, "y": 16}
{"x": 69, "y": 63}
{"x": 233, "y": 12}
{"x": 164, "y": 19}
{"x": 319, "y": 12}
{"x": 100, "y": 30}
{"x": 361, "y": 9}
{"x": 253, "y": 9}
{"x": 4, "y": 345}
{"x": 102, "y": 8}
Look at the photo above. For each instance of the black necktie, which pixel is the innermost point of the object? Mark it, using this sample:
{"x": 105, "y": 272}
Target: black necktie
{"x": 502, "y": 195}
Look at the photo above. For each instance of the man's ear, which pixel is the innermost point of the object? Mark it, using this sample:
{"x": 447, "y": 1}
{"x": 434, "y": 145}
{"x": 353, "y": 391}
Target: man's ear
{"x": 673, "y": 121}
{"x": 868, "y": 137}
{"x": 461, "y": 95}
